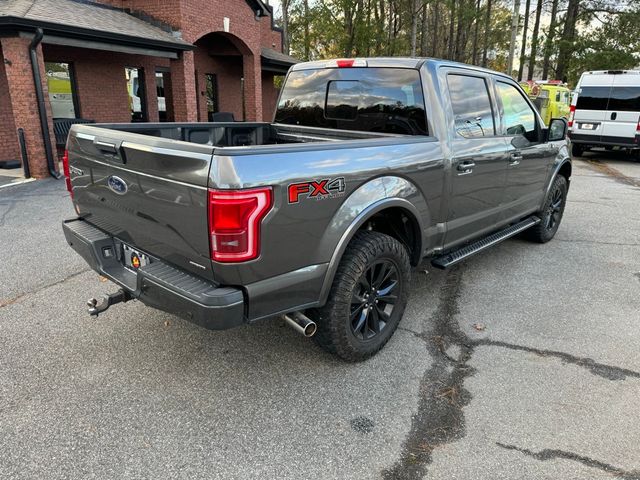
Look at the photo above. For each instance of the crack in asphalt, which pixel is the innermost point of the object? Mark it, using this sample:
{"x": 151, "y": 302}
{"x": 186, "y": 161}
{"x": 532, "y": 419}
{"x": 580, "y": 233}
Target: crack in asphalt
{"x": 442, "y": 396}
{"x": 3, "y": 217}
{"x": 554, "y": 454}
{"x": 11, "y": 301}
{"x": 609, "y": 372}
{"x": 440, "y": 418}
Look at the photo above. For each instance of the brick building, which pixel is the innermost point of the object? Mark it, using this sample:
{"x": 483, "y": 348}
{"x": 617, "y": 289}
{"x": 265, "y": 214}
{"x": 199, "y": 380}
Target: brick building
{"x": 131, "y": 60}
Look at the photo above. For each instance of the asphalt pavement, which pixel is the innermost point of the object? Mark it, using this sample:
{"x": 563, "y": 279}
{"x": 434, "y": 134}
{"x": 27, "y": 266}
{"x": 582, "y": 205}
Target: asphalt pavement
{"x": 521, "y": 363}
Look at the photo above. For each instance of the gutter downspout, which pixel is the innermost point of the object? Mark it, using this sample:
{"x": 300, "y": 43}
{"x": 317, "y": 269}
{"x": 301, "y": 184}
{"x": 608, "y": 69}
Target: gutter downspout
{"x": 42, "y": 109}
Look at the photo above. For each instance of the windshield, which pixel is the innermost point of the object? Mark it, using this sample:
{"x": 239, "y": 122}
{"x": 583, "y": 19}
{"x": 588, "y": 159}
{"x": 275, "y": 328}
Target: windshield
{"x": 387, "y": 100}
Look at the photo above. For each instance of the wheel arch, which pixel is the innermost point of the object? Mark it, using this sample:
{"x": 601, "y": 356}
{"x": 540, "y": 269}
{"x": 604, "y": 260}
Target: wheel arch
{"x": 396, "y": 197}
{"x": 563, "y": 168}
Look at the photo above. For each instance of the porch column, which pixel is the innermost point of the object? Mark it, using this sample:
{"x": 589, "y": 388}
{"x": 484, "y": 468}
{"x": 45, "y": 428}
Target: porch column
{"x": 9, "y": 150}
{"x": 24, "y": 103}
{"x": 252, "y": 87}
{"x": 151, "y": 91}
{"x": 183, "y": 88}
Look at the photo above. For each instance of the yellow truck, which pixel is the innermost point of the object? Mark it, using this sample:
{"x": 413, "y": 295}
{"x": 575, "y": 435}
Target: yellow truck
{"x": 552, "y": 98}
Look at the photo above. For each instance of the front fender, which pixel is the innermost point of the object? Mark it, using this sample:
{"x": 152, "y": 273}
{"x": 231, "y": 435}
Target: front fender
{"x": 562, "y": 160}
{"x": 370, "y": 198}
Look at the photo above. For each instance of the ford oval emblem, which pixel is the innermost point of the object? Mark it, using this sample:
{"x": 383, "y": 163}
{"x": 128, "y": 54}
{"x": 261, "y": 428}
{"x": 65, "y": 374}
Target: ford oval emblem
{"x": 117, "y": 185}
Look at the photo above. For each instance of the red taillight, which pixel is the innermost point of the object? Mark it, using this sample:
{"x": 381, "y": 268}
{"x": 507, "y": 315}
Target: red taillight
{"x": 65, "y": 169}
{"x": 345, "y": 63}
{"x": 638, "y": 127}
{"x": 235, "y": 217}
{"x": 572, "y": 114}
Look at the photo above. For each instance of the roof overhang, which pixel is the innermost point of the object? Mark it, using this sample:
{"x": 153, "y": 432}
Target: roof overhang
{"x": 276, "y": 62}
{"x": 269, "y": 66}
{"x": 97, "y": 39}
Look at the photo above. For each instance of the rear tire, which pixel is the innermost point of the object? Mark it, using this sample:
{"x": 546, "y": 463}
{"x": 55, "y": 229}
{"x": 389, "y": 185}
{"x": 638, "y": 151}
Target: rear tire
{"x": 577, "y": 150}
{"x": 551, "y": 213}
{"x": 367, "y": 299}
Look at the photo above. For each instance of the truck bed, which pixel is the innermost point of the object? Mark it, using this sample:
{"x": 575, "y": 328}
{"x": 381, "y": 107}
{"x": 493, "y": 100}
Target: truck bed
{"x": 167, "y": 169}
{"x": 235, "y": 134}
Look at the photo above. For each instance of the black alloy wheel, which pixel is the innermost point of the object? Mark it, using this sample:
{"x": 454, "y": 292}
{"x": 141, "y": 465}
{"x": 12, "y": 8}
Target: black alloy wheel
{"x": 554, "y": 211}
{"x": 373, "y": 300}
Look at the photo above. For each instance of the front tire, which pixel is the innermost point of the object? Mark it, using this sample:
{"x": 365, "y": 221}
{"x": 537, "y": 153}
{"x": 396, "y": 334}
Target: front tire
{"x": 552, "y": 212}
{"x": 367, "y": 299}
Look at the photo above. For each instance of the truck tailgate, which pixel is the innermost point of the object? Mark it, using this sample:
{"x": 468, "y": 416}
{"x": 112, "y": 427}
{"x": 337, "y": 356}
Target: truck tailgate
{"x": 149, "y": 192}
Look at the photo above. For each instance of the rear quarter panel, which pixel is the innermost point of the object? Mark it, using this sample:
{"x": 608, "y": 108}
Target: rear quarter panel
{"x": 296, "y": 235}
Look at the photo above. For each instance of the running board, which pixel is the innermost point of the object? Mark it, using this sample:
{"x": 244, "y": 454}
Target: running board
{"x": 456, "y": 256}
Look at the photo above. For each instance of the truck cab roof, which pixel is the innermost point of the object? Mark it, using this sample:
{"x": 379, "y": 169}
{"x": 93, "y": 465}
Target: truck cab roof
{"x": 388, "y": 62}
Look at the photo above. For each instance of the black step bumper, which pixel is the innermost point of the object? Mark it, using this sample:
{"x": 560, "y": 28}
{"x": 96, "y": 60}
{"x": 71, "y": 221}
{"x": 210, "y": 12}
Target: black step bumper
{"x": 158, "y": 284}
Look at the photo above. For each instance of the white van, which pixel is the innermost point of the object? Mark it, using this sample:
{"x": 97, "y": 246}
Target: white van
{"x": 605, "y": 111}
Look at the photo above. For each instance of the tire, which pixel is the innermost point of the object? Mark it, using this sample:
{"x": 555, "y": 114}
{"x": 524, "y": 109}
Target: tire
{"x": 551, "y": 213}
{"x": 577, "y": 150}
{"x": 347, "y": 322}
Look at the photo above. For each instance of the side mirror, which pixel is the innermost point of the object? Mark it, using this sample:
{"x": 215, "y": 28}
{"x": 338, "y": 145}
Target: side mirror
{"x": 557, "y": 129}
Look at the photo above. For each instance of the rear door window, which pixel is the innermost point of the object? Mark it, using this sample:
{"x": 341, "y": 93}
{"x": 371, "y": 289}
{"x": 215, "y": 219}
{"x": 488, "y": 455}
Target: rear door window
{"x": 471, "y": 104}
{"x": 593, "y": 98}
{"x": 386, "y": 100}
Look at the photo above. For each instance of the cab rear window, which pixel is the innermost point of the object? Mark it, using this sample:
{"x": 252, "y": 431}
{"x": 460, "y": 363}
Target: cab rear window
{"x": 386, "y": 100}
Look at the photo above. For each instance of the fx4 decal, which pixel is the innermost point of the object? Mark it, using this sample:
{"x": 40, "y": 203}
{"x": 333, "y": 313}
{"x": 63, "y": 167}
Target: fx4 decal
{"x": 321, "y": 189}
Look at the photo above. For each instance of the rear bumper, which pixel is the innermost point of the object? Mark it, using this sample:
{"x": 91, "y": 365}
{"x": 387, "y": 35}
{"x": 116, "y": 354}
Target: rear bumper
{"x": 605, "y": 141}
{"x": 158, "y": 284}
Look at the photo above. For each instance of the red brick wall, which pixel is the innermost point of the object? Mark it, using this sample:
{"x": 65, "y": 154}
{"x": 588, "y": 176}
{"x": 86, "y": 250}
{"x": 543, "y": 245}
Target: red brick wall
{"x": 269, "y": 96}
{"x": 270, "y": 38}
{"x": 24, "y": 102}
{"x": 228, "y": 70}
{"x": 8, "y": 140}
{"x": 167, "y": 11}
{"x": 197, "y": 18}
{"x": 101, "y": 84}
{"x": 184, "y": 88}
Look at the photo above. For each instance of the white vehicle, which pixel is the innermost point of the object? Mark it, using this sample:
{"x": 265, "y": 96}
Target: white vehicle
{"x": 133, "y": 87}
{"x": 605, "y": 111}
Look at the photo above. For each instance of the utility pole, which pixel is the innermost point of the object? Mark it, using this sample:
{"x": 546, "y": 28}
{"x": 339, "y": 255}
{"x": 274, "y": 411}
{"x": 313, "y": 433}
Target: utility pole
{"x": 515, "y": 22}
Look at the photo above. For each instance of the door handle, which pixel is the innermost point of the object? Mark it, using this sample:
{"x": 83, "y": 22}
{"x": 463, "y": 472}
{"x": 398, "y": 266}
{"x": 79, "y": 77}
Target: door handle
{"x": 614, "y": 115}
{"x": 465, "y": 168}
{"x": 105, "y": 146}
{"x": 514, "y": 159}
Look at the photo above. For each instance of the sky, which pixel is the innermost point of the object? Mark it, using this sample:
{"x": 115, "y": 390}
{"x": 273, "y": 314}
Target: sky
{"x": 276, "y": 7}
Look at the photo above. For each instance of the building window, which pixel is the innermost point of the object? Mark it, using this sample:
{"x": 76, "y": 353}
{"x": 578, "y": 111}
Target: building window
{"x": 62, "y": 90}
{"x": 212, "y": 95}
{"x": 137, "y": 96}
{"x": 162, "y": 101}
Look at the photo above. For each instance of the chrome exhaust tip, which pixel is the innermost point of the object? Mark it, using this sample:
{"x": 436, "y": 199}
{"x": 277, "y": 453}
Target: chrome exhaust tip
{"x": 301, "y": 323}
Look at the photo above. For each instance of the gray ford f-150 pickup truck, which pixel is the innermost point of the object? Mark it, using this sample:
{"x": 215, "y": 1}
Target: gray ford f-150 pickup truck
{"x": 370, "y": 167}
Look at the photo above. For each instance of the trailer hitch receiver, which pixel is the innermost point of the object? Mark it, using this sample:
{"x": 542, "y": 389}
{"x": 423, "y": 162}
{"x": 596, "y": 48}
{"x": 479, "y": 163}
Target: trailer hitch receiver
{"x": 96, "y": 308}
